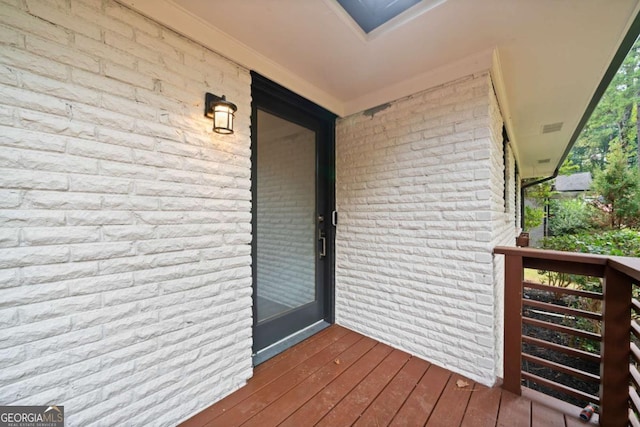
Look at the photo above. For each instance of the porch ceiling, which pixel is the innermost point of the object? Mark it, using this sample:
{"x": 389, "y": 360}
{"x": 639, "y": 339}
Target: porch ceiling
{"x": 547, "y": 56}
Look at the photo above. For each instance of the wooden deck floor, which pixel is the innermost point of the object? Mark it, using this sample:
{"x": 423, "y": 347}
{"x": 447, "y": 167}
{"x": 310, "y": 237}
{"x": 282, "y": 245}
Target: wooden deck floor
{"x": 341, "y": 378}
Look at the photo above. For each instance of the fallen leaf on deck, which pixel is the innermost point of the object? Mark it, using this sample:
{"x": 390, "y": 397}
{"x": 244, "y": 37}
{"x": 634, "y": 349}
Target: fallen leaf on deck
{"x": 462, "y": 384}
{"x": 337, "y": 361}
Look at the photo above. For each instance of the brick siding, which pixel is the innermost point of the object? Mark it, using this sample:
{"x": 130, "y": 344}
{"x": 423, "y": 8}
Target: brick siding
{"x": 125, "y": 278}
{"x": 420, "y": 195}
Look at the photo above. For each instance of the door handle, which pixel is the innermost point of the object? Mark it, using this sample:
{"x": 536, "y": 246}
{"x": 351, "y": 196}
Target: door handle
{"x": 323, "y": 246}
{"x": 322, "y": 238}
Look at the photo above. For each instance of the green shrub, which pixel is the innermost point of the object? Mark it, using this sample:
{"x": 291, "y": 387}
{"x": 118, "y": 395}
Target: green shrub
{"x": 623, "y": 242}
{"x": 569, "y": 216}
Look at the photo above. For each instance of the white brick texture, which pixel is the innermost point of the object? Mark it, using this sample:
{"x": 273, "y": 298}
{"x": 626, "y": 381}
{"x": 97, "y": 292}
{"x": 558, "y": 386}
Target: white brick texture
{"x": 506, "y": 217}
{"x": 420, "y": 195}
{"x": 125, "y": 223}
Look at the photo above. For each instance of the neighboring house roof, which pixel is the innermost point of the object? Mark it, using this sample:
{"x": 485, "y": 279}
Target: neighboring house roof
{"x": 548, "y": 59}
{"x": 576, "y": 182}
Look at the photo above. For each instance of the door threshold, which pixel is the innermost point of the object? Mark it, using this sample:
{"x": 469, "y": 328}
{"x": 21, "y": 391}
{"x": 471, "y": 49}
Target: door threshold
{"x": 287, "y": 342}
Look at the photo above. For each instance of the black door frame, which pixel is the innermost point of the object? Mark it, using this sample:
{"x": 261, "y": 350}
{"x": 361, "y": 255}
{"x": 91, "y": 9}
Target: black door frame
{"x": 277, "y": 100}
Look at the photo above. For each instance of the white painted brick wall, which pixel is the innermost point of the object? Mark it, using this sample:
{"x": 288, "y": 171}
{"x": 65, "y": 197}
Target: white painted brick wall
{"x": 125, "y": 223}
{"x": 421, "y": 207}
{"x": 506, "y": 218}
{"x": 286, "y": 204}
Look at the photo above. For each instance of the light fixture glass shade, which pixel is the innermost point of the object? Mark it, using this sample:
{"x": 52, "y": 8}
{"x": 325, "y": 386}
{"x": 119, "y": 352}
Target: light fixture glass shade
{"x": 221, "y": 111}
{"x": 223, "y": 118}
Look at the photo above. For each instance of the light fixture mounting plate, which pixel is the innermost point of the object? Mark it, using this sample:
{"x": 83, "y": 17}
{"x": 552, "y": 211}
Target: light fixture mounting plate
{"x": 208, "y": 99}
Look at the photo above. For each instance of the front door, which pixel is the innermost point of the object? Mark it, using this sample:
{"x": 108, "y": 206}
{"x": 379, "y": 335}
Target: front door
{"x": 293, "y": 191}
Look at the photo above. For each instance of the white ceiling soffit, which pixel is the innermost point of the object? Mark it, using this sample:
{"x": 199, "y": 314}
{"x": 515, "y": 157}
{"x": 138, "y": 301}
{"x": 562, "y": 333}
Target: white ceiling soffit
{"x": 547, "y": 56}
{"x": 401, "y": 19}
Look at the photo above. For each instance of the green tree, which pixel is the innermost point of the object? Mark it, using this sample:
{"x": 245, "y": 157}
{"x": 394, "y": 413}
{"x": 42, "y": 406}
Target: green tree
{"x": 615, "y": 119}
{"x": 540, "y": 194}
{"x": 618, "y": 184}
{"x": 533, "y": 217}
{"x": 568, "y": 168}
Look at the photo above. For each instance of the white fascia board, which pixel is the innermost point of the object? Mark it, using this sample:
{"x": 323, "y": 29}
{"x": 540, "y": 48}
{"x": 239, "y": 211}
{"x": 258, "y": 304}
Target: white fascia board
{"x": 503, "y": 102}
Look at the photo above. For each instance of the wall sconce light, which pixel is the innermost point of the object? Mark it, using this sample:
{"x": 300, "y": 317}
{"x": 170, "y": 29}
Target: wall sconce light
{"x": 221, "y": 111}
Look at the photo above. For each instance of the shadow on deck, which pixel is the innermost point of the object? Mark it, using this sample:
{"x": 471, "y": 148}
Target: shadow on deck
{"x": 341, "y": 378}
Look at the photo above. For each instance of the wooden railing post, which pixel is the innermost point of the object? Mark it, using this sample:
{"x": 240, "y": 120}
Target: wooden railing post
{"x": 513, "y": 276}
{"x": 615, "y": 350}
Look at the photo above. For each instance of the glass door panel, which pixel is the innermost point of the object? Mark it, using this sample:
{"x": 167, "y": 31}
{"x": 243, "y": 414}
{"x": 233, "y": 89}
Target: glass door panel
{"x": 286, "y": 217}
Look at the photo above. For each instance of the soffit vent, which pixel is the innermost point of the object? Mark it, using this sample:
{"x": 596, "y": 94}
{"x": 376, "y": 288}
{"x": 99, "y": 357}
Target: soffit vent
{"x": 543, "y": 161}
{"x": 552, "y": 127}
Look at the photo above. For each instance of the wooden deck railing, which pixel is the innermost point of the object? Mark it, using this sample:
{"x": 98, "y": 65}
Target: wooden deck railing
{"x": 616, "y": 335}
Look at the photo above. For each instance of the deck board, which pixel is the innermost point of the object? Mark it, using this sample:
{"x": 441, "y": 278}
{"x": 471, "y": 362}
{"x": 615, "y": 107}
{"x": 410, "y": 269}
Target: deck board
{"x": 514, "y": 411}
{"x": 323, "y": 402}
{"x": 268, "y": 372}
{"x": 542, "y": 417}
{"x": 277, "y": 412}
{"x": 271, "y": 392}
{"x": 356, "y": 402}
{"x": 324, "y": 337}
{"x": 451, "y": 406}
{"x": 423, "y": 398}
{"x": 387, "y": 404}
{"x": 341, "y": 378}
{"x": 483, "y": 407}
